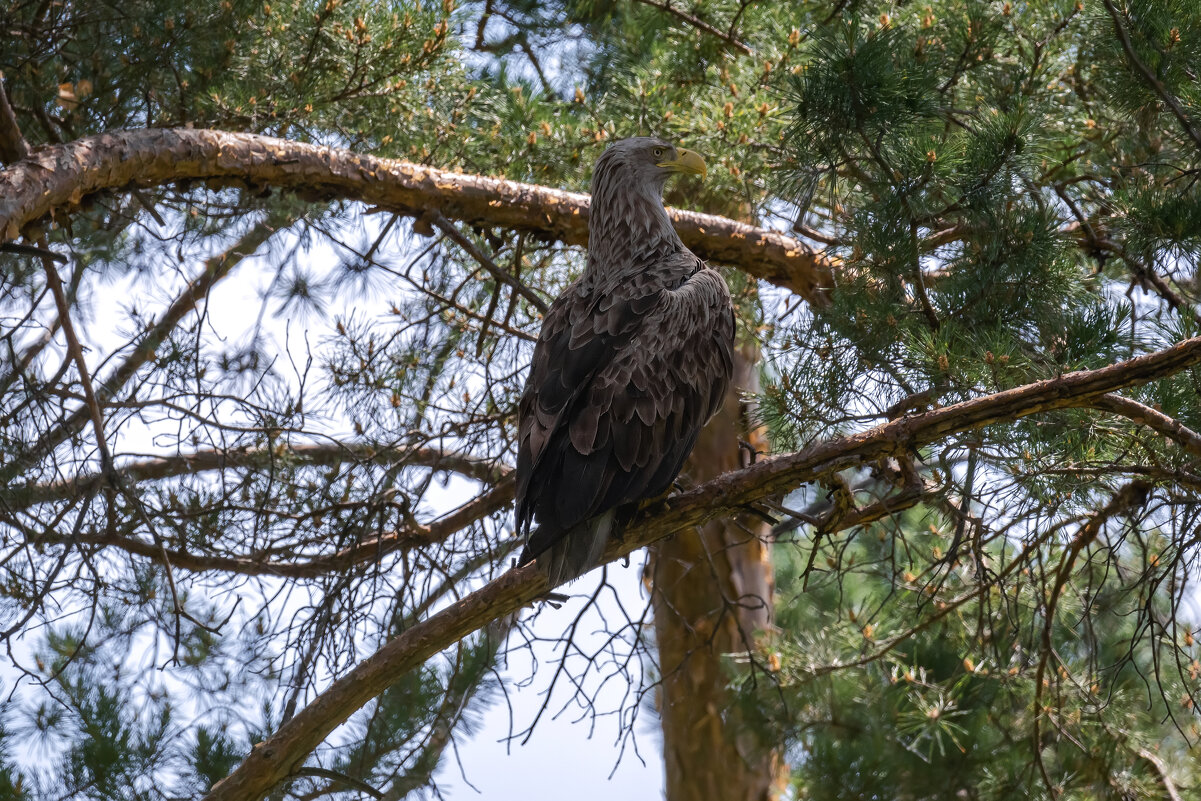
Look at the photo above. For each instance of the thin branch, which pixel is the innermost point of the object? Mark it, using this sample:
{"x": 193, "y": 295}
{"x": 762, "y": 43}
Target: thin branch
{"x": 462, "y": 241}
{"x": 1167, "y": 97}
{"x": 1161, "y": 772}
{"x": 259, "y": 564}
{"x": 450, "y": 711}
{"x": 696, "y": 22}
{"x": 272, "y": 760}
{"x": 325, "y": 454}
{"x": 1157, "y": 421}
{"x": 340, "y": 778}
{"x": 32, "y": 250}
{"x": 1131, "y": 495}
{"x": 13, "y": 146}
{"x": 59, "y": 176}
{"x": 75, "y": 350}
{"x": 214, "y": 270}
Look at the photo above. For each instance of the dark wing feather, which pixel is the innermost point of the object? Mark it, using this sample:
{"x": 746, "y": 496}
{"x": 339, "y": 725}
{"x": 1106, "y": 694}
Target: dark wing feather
{"x": 618, "y": 391}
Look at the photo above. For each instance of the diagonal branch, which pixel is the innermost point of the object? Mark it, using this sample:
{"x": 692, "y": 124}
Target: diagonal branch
{"x": 273, "y": 759}
{"x": 1157, "y": 421}
{"x": 455, "y": 235}
{"x": 91, "y": 405}
{"x": 1143, "y": 70}
{"x": 58, "y": 177}
{"x": 696, "y": 22}
{"x": 1132, "y": 495}
{"x": 214, "y": 270}
{"x": 13, "y": 146}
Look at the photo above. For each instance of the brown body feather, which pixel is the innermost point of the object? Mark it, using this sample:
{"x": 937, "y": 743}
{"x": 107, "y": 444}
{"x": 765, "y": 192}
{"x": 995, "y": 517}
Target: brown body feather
{"x": 633, "y": 359}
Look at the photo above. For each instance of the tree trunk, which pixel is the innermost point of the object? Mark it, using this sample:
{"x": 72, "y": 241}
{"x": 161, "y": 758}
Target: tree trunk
{"x": 712, "y": 598}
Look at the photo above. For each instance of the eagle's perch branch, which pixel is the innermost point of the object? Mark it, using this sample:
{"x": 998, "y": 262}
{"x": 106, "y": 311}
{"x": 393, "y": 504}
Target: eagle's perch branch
{"x": 59, "y": 177}
{"x": 275, "y": 758}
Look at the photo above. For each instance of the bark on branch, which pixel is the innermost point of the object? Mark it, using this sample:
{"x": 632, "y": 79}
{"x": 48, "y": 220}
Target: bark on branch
{"x": 57, "y": 178}
{"x": 496, "y": 497}
{"x": 275, "y": 758}
{"x": 319, "y": 454}
{"x": 368, "y": 551}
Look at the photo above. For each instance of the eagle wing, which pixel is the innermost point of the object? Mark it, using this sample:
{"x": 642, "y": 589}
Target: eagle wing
{"x": 620, "y": 385}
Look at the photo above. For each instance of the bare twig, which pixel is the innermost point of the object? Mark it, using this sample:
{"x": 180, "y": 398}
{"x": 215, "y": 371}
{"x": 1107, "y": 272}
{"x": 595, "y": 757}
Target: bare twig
{"x": 260, "y": 564}
{"x": 1132, "y": 495}
{"x": 456, "y": 236}
{"x": 214, "y": 270}
{"x": 259, "y": 458}
{"x": 696, "y": 22}
{"x": 76, "y": 352}
{"x": 340, "y": 778}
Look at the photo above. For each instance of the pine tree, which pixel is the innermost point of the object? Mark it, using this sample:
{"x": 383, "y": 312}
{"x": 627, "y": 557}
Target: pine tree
{"x": 990, "y": 211}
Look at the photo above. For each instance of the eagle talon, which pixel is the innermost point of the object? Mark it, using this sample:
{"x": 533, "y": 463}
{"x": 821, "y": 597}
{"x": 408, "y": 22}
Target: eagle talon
{"x": 554, "y": 599}
{"x": 754, "y": 452}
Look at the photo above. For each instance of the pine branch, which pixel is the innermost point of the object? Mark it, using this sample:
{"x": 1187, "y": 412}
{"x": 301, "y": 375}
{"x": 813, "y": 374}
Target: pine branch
{"x": 696, "y": 22}
{"x": 263, "y": 564}
{"x": 57, "y": 178}
{"x": 214, "y": 270}
{"x": 1157, "y": 421}
{"x": 272, "y": 760}
{"x": 1149, "y": 77}
{"x": 324, "y": 454}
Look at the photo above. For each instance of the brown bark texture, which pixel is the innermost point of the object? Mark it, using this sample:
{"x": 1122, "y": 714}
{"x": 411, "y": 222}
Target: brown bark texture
{"x": 53, "y": 180}
{"x": 712, "y": 596}
{"x": 280, "y": 754}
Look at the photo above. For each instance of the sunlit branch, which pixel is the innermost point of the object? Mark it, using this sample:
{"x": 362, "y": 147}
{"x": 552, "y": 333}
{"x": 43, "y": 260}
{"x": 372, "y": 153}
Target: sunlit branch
{"x": 57, "y": 178}
{"x": 1157, "y": 421}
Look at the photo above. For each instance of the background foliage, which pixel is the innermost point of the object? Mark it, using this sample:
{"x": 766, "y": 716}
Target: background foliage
{"x": 1009, "y": 190}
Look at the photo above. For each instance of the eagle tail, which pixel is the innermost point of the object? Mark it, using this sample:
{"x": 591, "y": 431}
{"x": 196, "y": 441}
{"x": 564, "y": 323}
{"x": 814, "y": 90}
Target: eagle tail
{"x": 576, "y": 551}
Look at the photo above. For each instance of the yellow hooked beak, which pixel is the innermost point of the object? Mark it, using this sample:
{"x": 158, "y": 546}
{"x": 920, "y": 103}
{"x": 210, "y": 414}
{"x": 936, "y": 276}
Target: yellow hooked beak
{"x": 686, "y": 161}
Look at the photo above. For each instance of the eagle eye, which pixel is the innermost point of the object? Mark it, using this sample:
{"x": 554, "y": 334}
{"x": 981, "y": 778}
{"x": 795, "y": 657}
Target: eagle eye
{"x": 658, "y": 152}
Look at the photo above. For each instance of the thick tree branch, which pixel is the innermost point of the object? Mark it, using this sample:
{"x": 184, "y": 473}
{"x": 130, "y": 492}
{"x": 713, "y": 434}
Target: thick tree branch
{"x": 56, "y": 178}
{"x": 12, "y": 144}
{"x": 277, "y": 756}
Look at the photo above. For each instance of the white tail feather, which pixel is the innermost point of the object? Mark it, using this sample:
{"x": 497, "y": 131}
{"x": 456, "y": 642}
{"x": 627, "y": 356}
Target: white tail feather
{"x": 578, "y": 551}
